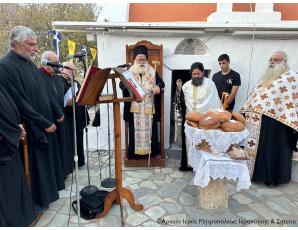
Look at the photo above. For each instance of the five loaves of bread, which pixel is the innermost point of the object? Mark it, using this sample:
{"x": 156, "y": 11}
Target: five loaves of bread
{"x": 216, "y": 119}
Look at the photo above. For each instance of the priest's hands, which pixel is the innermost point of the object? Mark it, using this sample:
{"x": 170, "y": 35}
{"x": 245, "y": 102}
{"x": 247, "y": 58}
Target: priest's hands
{"x": 23, "y": 134}
{"x": 61, "y": 119}
{"x": 156, "y": 90}
{"x": 138, "y": 99}
{"x": 51, "y": 129}
{"x": 69, "y": 102}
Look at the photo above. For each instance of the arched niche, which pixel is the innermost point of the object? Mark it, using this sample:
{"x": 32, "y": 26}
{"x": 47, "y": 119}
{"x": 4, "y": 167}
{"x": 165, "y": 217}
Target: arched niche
{"x": 191, "y": 46}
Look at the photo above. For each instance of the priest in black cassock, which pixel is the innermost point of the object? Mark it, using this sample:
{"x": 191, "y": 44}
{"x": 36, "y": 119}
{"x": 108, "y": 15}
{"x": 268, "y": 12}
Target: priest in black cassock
{"x": 142, "y": 117}
{"x": 55, "y": 87}
{"x": 21, "y": 78}
{"x": 82, "y": 116}
{"x": 16, "y": 206}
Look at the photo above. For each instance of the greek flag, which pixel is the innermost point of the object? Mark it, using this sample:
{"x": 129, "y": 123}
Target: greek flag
{"x": 57, "y": 36}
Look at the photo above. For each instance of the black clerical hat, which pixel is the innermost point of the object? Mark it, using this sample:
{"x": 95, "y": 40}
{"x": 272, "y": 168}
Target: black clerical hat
{"x": 140, "y": 50}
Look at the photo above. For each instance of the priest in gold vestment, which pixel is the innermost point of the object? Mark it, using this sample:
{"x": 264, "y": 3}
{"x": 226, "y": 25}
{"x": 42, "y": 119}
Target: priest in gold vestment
{"x": 142, "y": 117}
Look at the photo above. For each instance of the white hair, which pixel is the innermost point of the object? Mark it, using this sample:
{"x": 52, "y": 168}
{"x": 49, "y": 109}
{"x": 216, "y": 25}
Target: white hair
{"x": 284, "y": 55}
{"x": 46, "y": 55}
{"x": 20, "y": 34}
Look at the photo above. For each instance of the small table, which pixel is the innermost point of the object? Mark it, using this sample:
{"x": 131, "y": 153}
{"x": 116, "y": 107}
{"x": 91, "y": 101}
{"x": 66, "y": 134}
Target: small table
{"x": 214, "y": 169}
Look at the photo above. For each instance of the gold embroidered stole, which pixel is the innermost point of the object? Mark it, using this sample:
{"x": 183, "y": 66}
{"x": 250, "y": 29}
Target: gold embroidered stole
{"x": 143, "y": 112}
{"x": 253, "y": 125}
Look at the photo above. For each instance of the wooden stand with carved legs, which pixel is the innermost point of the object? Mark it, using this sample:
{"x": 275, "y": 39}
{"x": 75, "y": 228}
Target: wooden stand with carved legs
{"x": 117, "y": 195}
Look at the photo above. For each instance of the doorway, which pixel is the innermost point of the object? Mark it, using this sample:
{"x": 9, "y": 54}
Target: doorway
{"x": 184, "y": 75}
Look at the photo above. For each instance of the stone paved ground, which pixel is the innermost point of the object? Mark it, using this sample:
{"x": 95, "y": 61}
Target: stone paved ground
{"x": 169, "y": 196}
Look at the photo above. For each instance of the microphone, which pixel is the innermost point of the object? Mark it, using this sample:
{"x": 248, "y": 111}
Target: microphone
{"x": 53, "y": 64}
{"x": 124, "y": 65}
{"x": 77, "y": 55}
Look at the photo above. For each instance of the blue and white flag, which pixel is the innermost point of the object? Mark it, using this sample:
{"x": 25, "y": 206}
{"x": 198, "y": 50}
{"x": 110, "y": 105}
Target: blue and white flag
{"x": 57, "y": 37}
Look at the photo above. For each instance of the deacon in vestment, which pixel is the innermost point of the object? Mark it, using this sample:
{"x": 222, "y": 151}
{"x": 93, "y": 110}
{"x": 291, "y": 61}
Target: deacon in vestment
{"x": 16, "y": 205}
{"x": 199, "y": 95}
{"x": 272, "y": 119}
{"x": 142, "y": 117}
{"x": 21, "y": 78}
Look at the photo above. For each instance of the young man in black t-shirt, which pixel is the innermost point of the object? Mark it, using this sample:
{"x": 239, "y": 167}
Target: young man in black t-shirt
{"x": 227, "y": 80}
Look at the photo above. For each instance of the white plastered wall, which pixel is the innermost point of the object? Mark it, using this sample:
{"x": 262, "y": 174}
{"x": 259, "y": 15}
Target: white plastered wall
{"x": 248, "y": 57}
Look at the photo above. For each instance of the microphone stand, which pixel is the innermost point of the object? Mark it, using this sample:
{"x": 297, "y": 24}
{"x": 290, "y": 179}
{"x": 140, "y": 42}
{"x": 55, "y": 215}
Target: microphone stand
{"x": 109, "y": 182}
{"x": 89, "y": 189}
{"x": 75, "y": 148}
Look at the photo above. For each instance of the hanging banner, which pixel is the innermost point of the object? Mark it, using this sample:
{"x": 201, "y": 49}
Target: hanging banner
{"x": 71, "y": 48}
{"x": 57, "y": 37}
{"x": 93, "y": 52}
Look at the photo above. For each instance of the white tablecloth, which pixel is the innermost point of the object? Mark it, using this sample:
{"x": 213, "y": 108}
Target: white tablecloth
{"x": 219, "y": 141}
{"x": 208, "y": 165}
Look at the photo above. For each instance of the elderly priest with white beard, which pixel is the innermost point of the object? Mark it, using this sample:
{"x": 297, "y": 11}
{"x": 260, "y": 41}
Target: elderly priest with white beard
{"x": 272, "y": 118}
{"x": 142, "y": 117}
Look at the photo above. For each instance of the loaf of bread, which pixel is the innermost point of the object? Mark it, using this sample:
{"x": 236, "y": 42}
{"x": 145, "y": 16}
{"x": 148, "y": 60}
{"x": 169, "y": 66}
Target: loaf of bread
{"x": 194, "y": 116}
{"x": 221, "y": 115}
{"x": 237, "y": 153}
{"x": 209, "y": 123}
{"x": 193, "y": 124}
{"x": 232, "y": 126}
{"x": 238, "y": 117}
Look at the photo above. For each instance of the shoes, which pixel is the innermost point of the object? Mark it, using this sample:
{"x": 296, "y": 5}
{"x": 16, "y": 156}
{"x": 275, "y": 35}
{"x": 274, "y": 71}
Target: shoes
{"x": 185, "y": 168}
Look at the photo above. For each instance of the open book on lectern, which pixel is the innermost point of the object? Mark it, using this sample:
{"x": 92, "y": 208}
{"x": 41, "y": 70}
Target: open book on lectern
{"x": 131, "y": 83}
{"x": 95, "y": 80}
{"x": 92, "y": 86}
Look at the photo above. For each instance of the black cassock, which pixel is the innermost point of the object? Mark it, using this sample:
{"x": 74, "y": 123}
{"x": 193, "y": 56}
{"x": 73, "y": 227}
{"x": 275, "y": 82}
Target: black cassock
{"x": 22, "y": 80}
{"x": 82, "y": 120}
{"x": 129, "y": 117}
{"x": 16, "y": 205}
{"x": 55, "y": 85}
{"x": 274, "y": 156}
{"x": 55, "y": 92}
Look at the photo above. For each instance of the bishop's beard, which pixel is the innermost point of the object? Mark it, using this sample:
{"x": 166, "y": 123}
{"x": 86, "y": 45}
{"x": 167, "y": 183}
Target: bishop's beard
{"x": 273, "y": 72}
{"x": 197, "y": 81}
{"x": 141, "y": 68}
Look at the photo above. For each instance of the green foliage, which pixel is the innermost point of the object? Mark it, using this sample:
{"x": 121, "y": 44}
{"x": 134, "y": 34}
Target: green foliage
{"x": 39, "y": 18}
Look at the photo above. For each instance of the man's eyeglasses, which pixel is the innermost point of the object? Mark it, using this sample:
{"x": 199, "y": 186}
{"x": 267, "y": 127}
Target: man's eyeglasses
{"x": 274, "y": 60}
{"x": 141, "y": 59}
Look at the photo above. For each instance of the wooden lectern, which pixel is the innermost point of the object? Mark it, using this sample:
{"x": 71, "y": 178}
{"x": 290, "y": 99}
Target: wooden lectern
{"x": 91, "y": 94}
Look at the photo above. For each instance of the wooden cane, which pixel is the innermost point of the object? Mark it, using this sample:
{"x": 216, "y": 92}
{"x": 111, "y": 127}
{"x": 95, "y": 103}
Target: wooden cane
{"x": 24, "y": 142}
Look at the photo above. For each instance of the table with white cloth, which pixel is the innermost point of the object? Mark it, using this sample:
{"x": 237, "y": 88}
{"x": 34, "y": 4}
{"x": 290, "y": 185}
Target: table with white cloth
{"x": 213, "y": 170}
